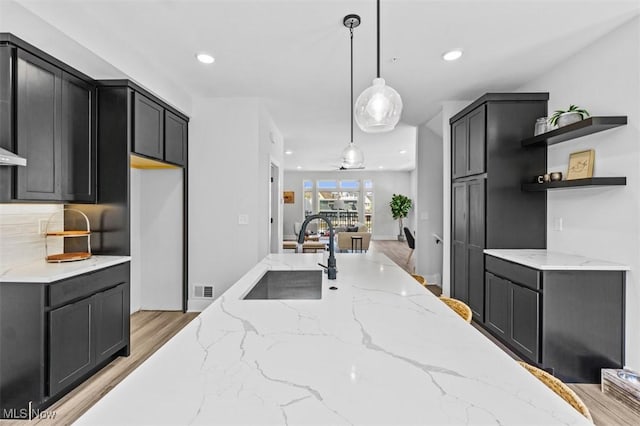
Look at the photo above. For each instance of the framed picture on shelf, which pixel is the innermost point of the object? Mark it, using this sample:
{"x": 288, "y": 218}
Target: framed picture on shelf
{"x": 289, "y": 197}
{"x": 581, "y": 164}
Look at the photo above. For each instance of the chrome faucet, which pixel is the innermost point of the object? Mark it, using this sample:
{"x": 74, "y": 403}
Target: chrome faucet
{"x": 331, "y": 262}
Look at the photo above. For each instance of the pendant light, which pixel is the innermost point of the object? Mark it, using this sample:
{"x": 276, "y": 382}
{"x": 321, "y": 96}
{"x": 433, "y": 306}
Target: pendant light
{"x": 378, "y": 108}
{"x": 352, "y": 156}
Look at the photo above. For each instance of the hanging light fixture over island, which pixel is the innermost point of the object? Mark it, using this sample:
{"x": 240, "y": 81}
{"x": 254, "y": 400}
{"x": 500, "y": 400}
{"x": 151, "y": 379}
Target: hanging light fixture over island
{"x": 379, "y": 107}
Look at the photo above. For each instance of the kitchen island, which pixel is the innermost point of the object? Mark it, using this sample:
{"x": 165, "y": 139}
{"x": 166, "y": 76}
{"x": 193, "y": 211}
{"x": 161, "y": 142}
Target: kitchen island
{"x": 378, "y": 350}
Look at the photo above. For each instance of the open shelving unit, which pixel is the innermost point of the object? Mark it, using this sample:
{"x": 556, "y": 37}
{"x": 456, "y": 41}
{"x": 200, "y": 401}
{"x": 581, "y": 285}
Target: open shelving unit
{"x": 584, "y": 127}
{"x": 588, "y": 182}
{"x": 71, "y": 256}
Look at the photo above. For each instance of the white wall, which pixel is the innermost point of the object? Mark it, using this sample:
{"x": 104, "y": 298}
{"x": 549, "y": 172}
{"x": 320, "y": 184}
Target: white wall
{"x": 428, "y": 211}
{"x": 229, "y": 159}
{"x": 601, "y": 223}
{"x": 385, "y": 184}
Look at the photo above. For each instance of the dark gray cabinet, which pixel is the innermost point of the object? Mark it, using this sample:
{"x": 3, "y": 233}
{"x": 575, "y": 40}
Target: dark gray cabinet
{"x": 488, "y": 166}
{"x": 47, "y": 115}
{"x": 70, "y": 344}
{"x": 468, "y": 244}
{"x": 570, "y": 322}
{"x": 78, "y": 140}
{"x": 175, "y": 148}
{"x": 512, "y": 314}
{"x": 38, "y": 131}
{"x": 55, "y": 335}
{"x": 148, "y": 127}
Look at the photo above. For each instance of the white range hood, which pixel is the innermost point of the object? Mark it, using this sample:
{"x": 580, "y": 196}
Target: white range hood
{"x": 8, "y": 158}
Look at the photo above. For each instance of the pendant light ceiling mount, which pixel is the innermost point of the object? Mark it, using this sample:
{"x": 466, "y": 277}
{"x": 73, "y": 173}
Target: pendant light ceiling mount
{"x": 379, "y": 107}
{"x": 352, "y": 156}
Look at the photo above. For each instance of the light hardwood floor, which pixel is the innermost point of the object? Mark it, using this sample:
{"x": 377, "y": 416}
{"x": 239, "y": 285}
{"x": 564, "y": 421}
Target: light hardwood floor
{"x": 151, "y": 329}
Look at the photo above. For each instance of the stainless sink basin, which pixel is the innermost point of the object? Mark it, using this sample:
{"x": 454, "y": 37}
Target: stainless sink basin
{"x": 287, "y": 285}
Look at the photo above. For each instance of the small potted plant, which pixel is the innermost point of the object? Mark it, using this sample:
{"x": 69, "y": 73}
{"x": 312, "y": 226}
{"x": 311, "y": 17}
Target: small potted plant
{"x": 400, "y": 206}
{"x": 572, "y": 115}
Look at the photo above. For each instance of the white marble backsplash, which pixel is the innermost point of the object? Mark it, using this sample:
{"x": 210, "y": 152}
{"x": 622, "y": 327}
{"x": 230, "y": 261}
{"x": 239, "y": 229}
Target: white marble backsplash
{"x": 20, "y": 239}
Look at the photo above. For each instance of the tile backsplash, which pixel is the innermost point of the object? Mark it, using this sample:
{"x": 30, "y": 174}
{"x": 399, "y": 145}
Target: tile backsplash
{"x": 20, "y": 238}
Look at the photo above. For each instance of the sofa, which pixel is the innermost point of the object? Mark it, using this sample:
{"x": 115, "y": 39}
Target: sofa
{"x": 343, "y": 238}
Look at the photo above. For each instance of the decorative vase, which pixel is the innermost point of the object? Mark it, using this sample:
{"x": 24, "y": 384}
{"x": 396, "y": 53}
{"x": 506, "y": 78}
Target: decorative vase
{"x": 567, "y": 118}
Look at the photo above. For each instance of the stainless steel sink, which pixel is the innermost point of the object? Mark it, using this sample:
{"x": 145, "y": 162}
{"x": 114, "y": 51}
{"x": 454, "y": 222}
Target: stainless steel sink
{"x": 281, "y": 285}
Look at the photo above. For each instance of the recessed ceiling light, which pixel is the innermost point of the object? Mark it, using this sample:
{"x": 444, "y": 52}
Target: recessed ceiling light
{"x": 299, "y": 167}
{"x": 205, "y": 58}
{"x": 381, "y": 167}
{"x": 403, "y": 151}
{"x": 288, "y": 152}
{"x": 452, "y": 55}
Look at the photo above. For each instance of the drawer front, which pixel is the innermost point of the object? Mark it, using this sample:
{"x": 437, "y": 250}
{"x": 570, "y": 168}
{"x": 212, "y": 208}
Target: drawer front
{"x": 65, "y": 291}
{"x": 514, "y": 272}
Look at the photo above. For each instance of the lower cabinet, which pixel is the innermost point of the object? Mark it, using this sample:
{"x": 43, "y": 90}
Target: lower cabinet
{"x": 570, "y": 322}
{"x": 55, "y": 335}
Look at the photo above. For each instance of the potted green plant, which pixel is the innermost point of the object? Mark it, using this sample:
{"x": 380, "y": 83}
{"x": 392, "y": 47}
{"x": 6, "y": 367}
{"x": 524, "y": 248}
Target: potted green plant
{"x": 400, "y": 206}
{"x": 572, "y": 115}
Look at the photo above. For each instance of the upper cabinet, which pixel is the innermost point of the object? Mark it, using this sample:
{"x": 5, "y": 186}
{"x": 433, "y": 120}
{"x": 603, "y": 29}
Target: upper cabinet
{"x": 469, "y": 144}
{"x": 148, "y": 127}
{"x": 175, "y": 137}
{"x": 50, "y": 113}
{"x": 158, "y": 133}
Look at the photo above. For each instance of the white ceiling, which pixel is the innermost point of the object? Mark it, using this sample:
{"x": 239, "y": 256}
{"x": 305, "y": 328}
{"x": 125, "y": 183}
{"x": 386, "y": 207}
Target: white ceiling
{"x": 294, "y": 54}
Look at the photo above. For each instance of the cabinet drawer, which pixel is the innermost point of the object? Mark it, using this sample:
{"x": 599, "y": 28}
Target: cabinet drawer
{"x": 65, "y": 291}
{"x": 513, "y": 272}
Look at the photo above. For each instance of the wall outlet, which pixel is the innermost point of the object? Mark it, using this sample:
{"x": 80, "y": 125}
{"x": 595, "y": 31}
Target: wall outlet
{"x": 243, "y": 219}
{"x": 203, "y": 291}
{"x": 557, "y": 224}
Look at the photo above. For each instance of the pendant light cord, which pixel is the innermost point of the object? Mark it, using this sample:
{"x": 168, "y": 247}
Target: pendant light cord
{"x": 378, "y": 32}
{"x": 351, "y": 116}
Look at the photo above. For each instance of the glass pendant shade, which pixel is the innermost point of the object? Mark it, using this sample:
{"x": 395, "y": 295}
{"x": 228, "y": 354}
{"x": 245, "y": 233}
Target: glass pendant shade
{"x": 352, "y": 157}
{"x": 378, "y": 108}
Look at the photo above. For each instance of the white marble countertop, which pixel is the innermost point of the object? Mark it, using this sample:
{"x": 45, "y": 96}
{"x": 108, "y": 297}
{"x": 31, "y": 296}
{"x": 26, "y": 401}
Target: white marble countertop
{"x": 43, "y": 272}
{"x": 378, "y": 350}
{"x": 553, "y": 261}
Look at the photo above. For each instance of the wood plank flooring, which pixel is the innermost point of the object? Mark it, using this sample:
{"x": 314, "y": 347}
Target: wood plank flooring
{"x": 152, "y": 329}
{"x": 149, "y": 331}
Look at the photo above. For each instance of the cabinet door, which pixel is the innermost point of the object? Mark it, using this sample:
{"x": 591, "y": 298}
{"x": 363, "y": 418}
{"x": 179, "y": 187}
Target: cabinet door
{"x": 175, "y": 144}
{"x": 148, "y": 127}
{"x": 497, "y": 308}
{"x": 459, "y": 149}
{"x": 6, "y": 117}
{"x": 110, "y": 324}
{"x": 476, "y": 245}
{"x": 38, "y": 98}
{"x": 459, "y": 219}
{"x": 78, "y": 148}
{"x": 525, "y": 324}
{"x": 70, "y": 344}
{"x": 476, "y": 141}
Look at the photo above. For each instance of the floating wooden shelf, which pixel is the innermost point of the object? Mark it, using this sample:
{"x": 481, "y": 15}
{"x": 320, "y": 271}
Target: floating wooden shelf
{"x": 596, "y": 181}
{"x": 68, "y": 233}
{"x": 581, "y": 128}
{"x": 67, "y": 257}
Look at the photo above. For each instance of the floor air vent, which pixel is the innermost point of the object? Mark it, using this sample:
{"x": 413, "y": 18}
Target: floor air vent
{"x": 203, "y": 291}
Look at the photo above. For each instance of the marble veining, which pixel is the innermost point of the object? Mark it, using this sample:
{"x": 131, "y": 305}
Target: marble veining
{"x": 379, "y": 350}
{"x": 42, "y": 272}
{"x": 554, "y": 261}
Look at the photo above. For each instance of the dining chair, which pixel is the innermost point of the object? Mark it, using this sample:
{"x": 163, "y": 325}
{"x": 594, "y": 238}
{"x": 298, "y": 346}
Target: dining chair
{"x": 411, "y": 241}
{"x": 459, "y": 307}
{"x": 559, "y": 388}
